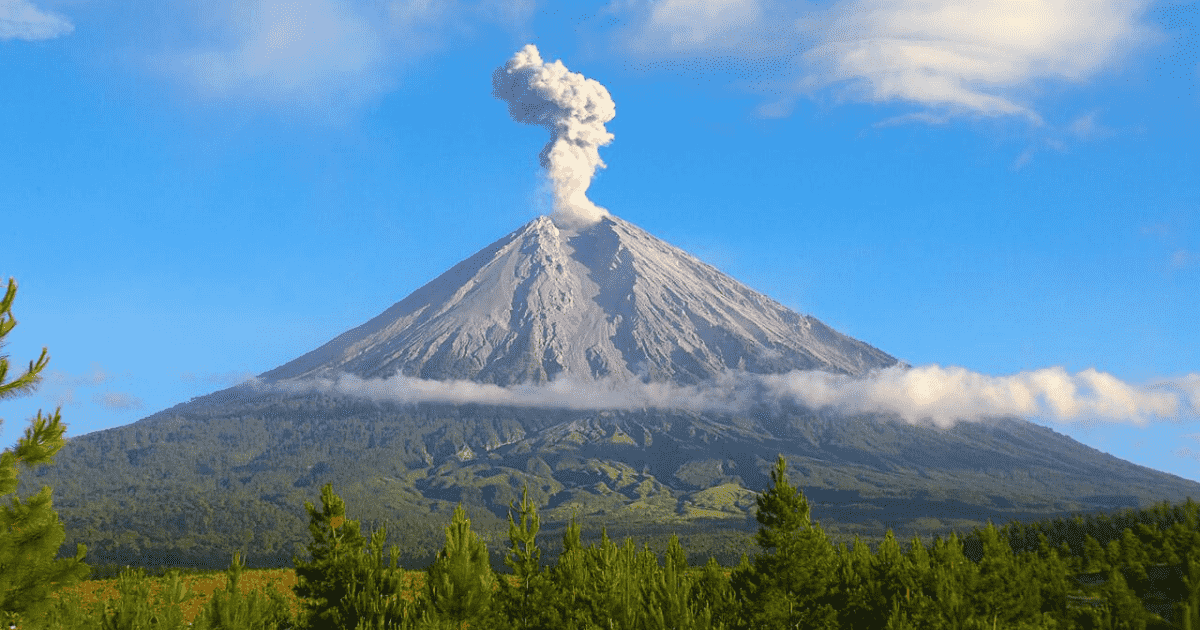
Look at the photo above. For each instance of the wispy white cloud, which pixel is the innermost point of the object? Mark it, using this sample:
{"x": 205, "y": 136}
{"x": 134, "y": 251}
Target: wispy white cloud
{"x": 20, "y": 19}
{"x": 60, "y": 386}
{"x": 61, "y": 389}
{"x": 1175, "y": 236}
{"x": 291, "y": 51}
{"x": 698, "y": 23}
{"x": 1181, "y": 258}
{"x": 1087, "y": 127}
{"x": 323, "y": 56}
{"x": 964, "y": 57}
{"x": 1024, "y": 158}
{"x": 942, "y": 395}
{"x": 217, "y": 378}
{"x": 117, "y": 400}
{"x": 922, "y": 117}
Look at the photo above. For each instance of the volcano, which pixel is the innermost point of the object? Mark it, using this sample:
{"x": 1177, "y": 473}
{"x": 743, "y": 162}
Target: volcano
{"x": 608, "y": 302}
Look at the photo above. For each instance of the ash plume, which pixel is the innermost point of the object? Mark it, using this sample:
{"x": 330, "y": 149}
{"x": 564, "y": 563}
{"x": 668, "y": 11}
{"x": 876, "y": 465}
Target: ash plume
{"x": 574, "y": 109}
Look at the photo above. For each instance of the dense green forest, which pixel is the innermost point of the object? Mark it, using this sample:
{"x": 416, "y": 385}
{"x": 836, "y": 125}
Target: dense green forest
{"x": 1133, "y": 569}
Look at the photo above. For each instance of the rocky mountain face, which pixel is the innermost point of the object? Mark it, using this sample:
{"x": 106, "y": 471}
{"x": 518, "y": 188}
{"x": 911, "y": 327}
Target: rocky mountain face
{"x": 231, "y": 470}
{"x": 609, "y": 301}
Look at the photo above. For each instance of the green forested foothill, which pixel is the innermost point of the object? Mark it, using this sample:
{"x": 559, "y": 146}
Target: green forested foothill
{"x": 190, "y": 485}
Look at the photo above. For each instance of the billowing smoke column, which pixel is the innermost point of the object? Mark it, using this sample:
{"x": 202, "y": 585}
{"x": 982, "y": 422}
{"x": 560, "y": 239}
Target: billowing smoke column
{"x": 574, "y": 109}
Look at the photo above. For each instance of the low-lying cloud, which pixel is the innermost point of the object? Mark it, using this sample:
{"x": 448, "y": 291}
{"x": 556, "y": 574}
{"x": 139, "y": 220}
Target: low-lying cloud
{"x": 941, "y": 395}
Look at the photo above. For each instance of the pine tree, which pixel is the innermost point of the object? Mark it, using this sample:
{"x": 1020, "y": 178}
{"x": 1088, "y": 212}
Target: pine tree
{"x": 1125, "y": 610}
{"x": 1002, "y": 595}
{"x": 571, "y": 607}
{"x": 850, "y": 594}
{"x": 1134, "y": 559}
{"x": 953, "y": 580}
{"x": 789, "y": 584}
{"x": 524, "y": 603}
{"x": 324, "y": 581}
{"x": 918, "y": 585}
{"x": 30, "y": 533}
{"x": 459, "y": 582}
{"x": 170, "y": 601}
{"x": 669, "y": 605}
{"x": 231, "y": 610}
{"x": 712, "y": 590}
{"x": 373, "y": 600}
{"x": 886, "y": 583}
{"x": 131, "y": 610}
{"x": 1095, "y": 558}
{"x": 612, "y": 588}
{"x": 1049, "y": 571}
{"x": 1188, "y": 610}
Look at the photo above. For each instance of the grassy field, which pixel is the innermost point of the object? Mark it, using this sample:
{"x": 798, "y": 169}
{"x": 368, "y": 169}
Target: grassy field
{"x": 94, "y": 593}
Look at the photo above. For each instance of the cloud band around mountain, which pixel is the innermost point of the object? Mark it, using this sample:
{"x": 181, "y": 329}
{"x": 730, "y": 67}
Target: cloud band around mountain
{"x": 942, "y": 395}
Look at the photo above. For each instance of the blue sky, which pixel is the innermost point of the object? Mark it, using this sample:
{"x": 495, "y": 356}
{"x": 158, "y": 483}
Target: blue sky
{"x": 198, "y": 195}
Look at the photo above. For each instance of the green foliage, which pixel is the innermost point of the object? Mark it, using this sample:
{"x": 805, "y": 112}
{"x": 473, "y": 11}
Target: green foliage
{"x": 376, "y": 603}
{"x": 613, "y": 590}
{"x": 979, "y": 584}
{"x": 1002, "y": 590}
{"x": 70, "y": 613}
{"x": 30, "y": 533}
{"x": 343, "y": 587}
{"x": 231, "y": 610}
{"x": 788, "y": 585}
{"x": 954, "y": 577}
{"x": 570, "y": 580}
{"x": 459, "y": 582}
{"x": 135, "y": 610}
{"x": 324, "y": 581}
{"x": 1124, "y": 609}
{"x": 670, "y": 600}
{"x": 27, "y": 381}
{"x": 525, "y": 603}
{"x": 712, "y": 590}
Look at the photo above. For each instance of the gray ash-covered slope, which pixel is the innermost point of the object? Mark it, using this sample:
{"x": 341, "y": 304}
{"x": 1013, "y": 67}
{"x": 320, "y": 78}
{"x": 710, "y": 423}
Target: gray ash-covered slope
{"x": 608, "y": 301}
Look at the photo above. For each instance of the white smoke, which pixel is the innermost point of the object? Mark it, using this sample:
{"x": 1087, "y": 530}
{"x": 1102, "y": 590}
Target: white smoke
{"x": 943, "y": 396}
{"x": 574, "y": 109}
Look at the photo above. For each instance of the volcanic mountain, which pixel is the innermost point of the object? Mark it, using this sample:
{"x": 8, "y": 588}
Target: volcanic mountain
{"x": 542, "y": 306}
{"x": 609, "y": 301}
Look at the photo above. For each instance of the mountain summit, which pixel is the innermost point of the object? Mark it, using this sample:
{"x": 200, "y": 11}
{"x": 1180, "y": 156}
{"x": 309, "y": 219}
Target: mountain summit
{"x": 609, "y": 301}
